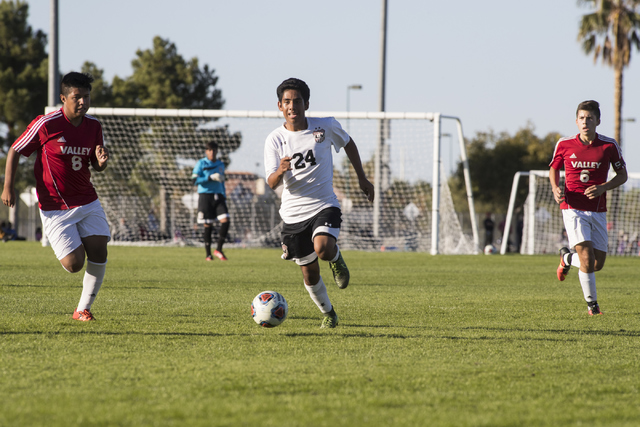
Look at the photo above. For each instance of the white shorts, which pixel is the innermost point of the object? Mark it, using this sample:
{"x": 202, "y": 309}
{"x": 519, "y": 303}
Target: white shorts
{"x": 65, "y": 229}
{"x": 585, "y": 226}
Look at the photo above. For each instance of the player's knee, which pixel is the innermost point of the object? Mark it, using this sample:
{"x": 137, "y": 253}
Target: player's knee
{"x": 326, "y": 250}
{"x": 72, "y": 266}
{"x": 325, "y": 253}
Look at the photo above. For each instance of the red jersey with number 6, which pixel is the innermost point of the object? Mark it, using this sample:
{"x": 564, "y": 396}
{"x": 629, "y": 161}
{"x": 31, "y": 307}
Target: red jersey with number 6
{"x": 64, "y": 154}
{"x": 584, "y": 166}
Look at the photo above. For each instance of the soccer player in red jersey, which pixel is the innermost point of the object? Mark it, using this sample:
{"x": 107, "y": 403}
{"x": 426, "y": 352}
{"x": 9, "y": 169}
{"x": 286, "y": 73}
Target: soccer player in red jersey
{"x": 586, "y": 158}
{"x": 66, "y": 142}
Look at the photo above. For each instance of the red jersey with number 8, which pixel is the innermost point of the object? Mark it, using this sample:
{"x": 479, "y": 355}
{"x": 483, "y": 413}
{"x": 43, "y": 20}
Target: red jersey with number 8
{"x": 584, "y": 166}
{"x": 64, "y": 154}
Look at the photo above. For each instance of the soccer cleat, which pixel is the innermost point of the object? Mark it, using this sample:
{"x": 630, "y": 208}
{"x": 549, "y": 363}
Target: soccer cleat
{"x": 83, "y": 316}
{"x": 209, "y": 258}
{"x": 220, "y": 255}
{"x": 594, "y": 309}
{"x": 340, "y": 272}
{"x": 330, "y": 320}
{"x": 563, "y": 268}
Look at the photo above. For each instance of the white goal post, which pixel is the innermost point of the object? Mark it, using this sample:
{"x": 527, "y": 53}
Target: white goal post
{"x": 540, "y": 219}
{"x": 149, "y": 198}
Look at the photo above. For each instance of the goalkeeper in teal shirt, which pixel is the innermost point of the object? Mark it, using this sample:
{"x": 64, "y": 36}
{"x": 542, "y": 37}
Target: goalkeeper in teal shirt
{"x": 208, "y": 174}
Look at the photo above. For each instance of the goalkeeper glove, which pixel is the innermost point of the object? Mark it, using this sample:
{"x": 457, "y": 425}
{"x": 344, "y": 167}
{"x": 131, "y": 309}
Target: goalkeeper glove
{"x": 216, "y": 177}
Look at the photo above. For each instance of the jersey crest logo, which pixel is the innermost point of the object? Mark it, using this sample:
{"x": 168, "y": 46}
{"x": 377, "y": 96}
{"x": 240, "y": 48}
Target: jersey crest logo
{"x": 318, "y": 134}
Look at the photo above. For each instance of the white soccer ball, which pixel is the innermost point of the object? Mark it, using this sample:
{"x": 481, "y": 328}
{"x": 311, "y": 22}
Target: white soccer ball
{"x": 269, "y": 309}
{"x": 490, "y": 250}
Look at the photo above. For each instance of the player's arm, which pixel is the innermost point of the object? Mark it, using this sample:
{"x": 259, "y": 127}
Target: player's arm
{"x": 9, "y": 193}
{"x": 275, "y": 178}
{"x": 102, "y": 155}
{"x": 354, "y": 157}
{"x": 554, "y": 179}
{"x": 197, "y": 176}
{"x": 615, "y": 182}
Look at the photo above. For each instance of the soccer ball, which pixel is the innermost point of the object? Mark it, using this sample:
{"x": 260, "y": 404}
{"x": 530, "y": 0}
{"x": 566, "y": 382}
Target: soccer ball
{"x": 490, "y": 250}
{"x": 269, "y": 309}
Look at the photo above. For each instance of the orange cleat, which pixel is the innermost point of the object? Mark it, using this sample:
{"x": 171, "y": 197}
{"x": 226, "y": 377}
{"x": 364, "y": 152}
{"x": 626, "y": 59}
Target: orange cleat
{"x": 563, "y": 268}
{"x": 83, "y": 316}
{"x": 594, "y": 309}
{"x": 220, "y": 255}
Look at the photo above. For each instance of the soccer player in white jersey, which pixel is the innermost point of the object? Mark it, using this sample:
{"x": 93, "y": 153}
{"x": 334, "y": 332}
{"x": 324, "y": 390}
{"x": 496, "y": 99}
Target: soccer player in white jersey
{"x": 208, "y": 174}
{"x": 66, "y": 142}
{"x": 586, "y": 158}
{"x": 297, "y": 156}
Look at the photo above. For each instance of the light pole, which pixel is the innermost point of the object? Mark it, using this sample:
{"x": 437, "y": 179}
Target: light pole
{"x": 349, "y": 88}
{"x": 624, "y": 128}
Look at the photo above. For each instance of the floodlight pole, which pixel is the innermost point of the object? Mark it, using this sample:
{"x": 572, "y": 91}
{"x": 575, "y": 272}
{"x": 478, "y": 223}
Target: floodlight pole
{"x": 349, "y": 88}
{"x": 623, "y": 143}
{"x": 53, "y": 56}
{"x": 377, "y": 179}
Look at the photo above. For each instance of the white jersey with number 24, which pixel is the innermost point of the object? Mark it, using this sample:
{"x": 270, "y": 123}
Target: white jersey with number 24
{"x": 308, "y": 187}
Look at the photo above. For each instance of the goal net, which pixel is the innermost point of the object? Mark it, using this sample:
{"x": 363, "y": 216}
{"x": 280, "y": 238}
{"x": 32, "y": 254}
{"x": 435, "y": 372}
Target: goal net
{"x": 149, "y": 198}
{"x": 537, "y": 225}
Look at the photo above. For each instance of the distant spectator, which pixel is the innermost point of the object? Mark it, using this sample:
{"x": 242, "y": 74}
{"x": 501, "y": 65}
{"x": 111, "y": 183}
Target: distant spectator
{"x": 488, "y": 230}
{"x": 8, "y": 233}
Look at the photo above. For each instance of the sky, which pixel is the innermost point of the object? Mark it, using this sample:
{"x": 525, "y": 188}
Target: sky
{"x": 498, "y": 65}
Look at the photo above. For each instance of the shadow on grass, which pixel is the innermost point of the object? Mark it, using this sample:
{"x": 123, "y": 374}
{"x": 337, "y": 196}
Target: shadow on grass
{"x": 621, "y": 332}
{"x": 181, "y": 334}
{"x": 486, "y": 338}
{"x": 11, "y": 285}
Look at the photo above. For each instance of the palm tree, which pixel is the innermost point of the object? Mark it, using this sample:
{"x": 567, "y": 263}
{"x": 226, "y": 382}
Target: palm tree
{"x": 610, "y": 33}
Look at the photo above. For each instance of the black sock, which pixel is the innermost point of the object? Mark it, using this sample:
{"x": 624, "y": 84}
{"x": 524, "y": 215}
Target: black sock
{"x": 224, "y": 230}
{"x": 207, "y": 240}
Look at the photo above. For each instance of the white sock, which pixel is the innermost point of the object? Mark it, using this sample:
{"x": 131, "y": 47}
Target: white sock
{"x": 575, "y": 260}
{"x": 588, "y": 283}
{"x": 335, "y": 258}
{"x": 318, "y": 293}
{"x": 93, "y": 276}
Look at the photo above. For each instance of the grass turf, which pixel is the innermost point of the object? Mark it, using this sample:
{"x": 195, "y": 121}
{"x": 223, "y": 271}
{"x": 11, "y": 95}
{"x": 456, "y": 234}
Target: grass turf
{"x": 422, "y": 340}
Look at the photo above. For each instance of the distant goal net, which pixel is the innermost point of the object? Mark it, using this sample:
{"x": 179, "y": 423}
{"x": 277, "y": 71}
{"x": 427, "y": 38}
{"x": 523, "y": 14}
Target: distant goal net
{"x": 149, "y": 198}
{"x": 538, "y": 227}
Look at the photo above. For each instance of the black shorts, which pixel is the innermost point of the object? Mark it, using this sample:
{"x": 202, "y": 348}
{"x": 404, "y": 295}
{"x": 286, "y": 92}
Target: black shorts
{"x": 297, "y": 239}
{"x": 211, "y": 207}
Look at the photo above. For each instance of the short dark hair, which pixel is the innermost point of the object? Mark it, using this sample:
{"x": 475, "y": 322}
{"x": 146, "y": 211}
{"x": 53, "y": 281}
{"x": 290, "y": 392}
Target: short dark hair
{"x": 75, "y": 80}
{"x": 295, "y": 84}
{"x": 592, "y": 106}
{"x": 212, "y": 146}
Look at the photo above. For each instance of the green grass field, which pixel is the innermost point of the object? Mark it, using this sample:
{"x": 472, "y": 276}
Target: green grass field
{"x": 423, "y": 340}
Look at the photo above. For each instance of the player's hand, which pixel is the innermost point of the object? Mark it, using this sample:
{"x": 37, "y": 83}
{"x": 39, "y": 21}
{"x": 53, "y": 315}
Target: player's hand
{"x": 285, "y": 165}
{"x": 594, "y": 191}
{"x": 102, "y": 154}
{"x": 558, "y": 195}
{"x": 216, "y": 177}
{"x": 367, "y": 188}
{"x": 9, "y": 197}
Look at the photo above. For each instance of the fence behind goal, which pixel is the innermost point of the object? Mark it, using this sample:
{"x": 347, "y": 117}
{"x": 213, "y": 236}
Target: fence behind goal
{"x": 149, "y": 198}
{"x": 537, "y": 227}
